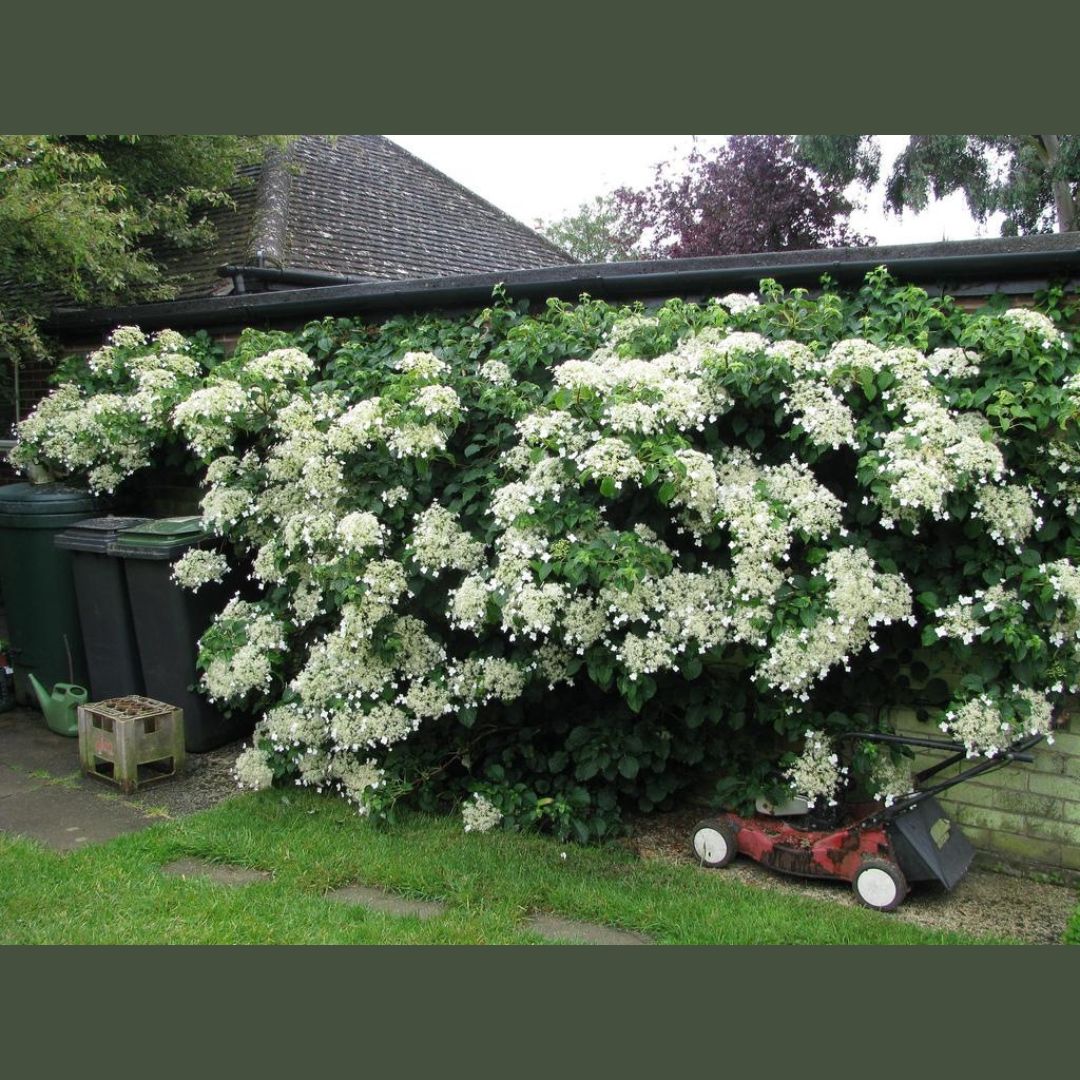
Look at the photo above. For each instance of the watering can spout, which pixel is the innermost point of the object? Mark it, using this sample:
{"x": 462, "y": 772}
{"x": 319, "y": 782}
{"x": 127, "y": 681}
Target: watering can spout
{"x": 60, "y": 706}
{"x": 44, "y": 700}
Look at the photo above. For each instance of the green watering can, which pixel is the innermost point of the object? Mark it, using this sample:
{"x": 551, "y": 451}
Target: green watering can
{"x": 59, "y": 706}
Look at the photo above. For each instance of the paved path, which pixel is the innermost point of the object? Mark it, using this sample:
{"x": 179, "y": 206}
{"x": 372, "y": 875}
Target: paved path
{"x": 43, "y": 794}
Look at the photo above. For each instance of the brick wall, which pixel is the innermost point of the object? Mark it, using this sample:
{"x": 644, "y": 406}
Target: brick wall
{"x": 33, "y": 384}
{"x": 1021, "y": 813}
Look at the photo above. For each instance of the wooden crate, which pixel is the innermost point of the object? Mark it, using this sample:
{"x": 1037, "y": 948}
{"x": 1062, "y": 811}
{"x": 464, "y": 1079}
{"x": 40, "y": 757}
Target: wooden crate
{"x": 131, "y": 741}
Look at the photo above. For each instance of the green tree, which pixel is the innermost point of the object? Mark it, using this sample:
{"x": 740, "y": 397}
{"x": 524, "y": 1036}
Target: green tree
{"x": 1034, "y": 180}
{"x": 81, "y": 217}
{"x": 592, "y": 234}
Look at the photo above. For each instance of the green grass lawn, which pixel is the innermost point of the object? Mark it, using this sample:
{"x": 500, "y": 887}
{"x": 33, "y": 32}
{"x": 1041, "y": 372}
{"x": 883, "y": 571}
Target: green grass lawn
{"x": 115, "y": 893}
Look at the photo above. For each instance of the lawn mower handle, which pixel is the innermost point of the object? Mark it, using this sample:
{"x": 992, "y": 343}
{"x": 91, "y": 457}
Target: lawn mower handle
{"x": 930, "y": 744}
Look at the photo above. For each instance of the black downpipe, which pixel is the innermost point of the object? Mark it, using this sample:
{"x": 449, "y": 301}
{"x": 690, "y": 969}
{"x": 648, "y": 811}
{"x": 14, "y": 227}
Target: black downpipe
{"x": 286, "y": 276}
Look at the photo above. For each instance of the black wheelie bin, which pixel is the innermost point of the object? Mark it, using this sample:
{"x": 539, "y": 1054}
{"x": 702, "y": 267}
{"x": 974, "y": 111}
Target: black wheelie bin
{"x": 169, "y": 620}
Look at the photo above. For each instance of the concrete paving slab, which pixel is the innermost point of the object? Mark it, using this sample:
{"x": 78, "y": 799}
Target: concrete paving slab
{"x": 65, "y": 818}
{"x": 16, "y": 782}
{"x": 28, "y": 744}
{"x": 556, "y": 929}
{"x": 45, "y": 796}
{"x": 222, "y": 873}
{"x": 390, "y": 903}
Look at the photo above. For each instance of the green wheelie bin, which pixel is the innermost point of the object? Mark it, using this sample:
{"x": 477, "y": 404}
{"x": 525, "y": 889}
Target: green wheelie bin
{"x": 37, "y": 583}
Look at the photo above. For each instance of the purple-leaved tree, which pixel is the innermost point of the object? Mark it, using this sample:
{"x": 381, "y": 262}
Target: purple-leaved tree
{"x": 751, "y": 194}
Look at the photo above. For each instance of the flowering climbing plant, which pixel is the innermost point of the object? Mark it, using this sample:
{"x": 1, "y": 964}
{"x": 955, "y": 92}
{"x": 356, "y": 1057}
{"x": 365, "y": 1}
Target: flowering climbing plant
{"x": 548, "y": 565}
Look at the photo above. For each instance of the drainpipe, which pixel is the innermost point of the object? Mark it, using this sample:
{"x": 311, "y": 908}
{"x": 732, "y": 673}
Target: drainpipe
{"x": 287, "y": 276}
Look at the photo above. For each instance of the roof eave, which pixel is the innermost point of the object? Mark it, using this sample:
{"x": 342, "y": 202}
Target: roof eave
{"x": 941, "y": 265}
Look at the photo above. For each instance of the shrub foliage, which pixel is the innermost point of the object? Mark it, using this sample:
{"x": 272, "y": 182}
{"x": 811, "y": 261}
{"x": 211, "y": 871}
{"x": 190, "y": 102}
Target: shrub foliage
{"x": 551, "y": 565}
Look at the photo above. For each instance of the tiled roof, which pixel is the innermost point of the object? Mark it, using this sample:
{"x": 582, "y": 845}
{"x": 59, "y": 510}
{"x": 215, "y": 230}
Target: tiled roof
{"x": 194, "y": 270}
{"x": 361, "y": 205}
{"x": 352, "y": 204}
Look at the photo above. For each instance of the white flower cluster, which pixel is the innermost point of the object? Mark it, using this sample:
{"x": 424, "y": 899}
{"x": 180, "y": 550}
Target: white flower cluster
{"x": 963, "y": 619}
{"x": 378, "y": 421}
{"x": 359, "y": 427}
{"x": 440, "y": 543}
{"x": 109, "y": 435}
{"x": 674, "y": 391}
{"x": 441, "y": 402}
{"x": 170, "y": 341}
{"x": 223, "y": 507}
{"x": 953, "y": 364}
{"x": 933, "y": 453}
{"x": 1064, "y": 579}
{"x": 1009, "y": 512}
{"x": 496, "y": 373}
{"x": 359, "y": 531}
{"x": 127, "y": 337}
{"x": 212, "y": 417}
{"x": 423, "y": 365}
{"x": 231, "y": 676}
{"x": 480, "y": 815}
{"x": 610, "y": 459}
{"x": 478, "y": 680}
{"x": 628, "y": 325}
{"x": 817, "y": 773}
{"x": 819, "y": 412}
{"x": 738, "y": 303}
{"x": 416, "y": 440}
{"x": 1038, "y": 326}
{"x": 859, "y": 598}
{"x": 197, "y": 568}
{"x": 280, "y": 366}
{"x": 890, "y": 780}
{"x": 985, "y": 732}
{"x": 252, "y": 770}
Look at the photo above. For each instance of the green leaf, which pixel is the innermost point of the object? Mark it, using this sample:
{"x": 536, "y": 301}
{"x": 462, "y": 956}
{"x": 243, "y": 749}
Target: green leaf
{"x": 691, "y": 668}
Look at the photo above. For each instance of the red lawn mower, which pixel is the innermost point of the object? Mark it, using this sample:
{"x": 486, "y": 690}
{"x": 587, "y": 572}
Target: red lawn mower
{"x": 879, "y": 850}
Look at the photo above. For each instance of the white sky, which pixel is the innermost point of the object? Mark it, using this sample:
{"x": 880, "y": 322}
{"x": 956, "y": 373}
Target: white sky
{"x": 548, "y": 176}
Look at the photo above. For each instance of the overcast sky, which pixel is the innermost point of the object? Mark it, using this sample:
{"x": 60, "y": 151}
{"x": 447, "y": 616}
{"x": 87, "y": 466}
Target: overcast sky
{"x": 548, "y": 176}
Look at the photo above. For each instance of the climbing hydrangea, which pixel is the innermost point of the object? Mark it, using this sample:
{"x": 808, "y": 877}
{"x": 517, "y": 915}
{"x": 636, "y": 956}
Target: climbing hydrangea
{"x": 562, "y": 562}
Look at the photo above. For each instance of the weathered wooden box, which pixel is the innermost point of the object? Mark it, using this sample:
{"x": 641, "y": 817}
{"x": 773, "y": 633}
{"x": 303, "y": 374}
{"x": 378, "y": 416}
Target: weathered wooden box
{"x": 131, "y": 741}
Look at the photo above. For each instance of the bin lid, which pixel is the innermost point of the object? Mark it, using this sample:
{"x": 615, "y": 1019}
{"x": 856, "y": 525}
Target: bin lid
{"x": 44, "y": 504}
{"x": 45, "y": 499}
{"x": 95, "y": 534}
{"x": 160, "y": 538}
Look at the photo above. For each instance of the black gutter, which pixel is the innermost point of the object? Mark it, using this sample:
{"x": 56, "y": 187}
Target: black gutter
{"x": 988, "y": 262}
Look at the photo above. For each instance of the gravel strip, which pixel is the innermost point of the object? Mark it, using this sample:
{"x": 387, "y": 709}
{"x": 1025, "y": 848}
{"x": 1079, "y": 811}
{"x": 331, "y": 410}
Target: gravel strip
{"x": 984, "y": 903}
{"x": 206, "y": 781}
